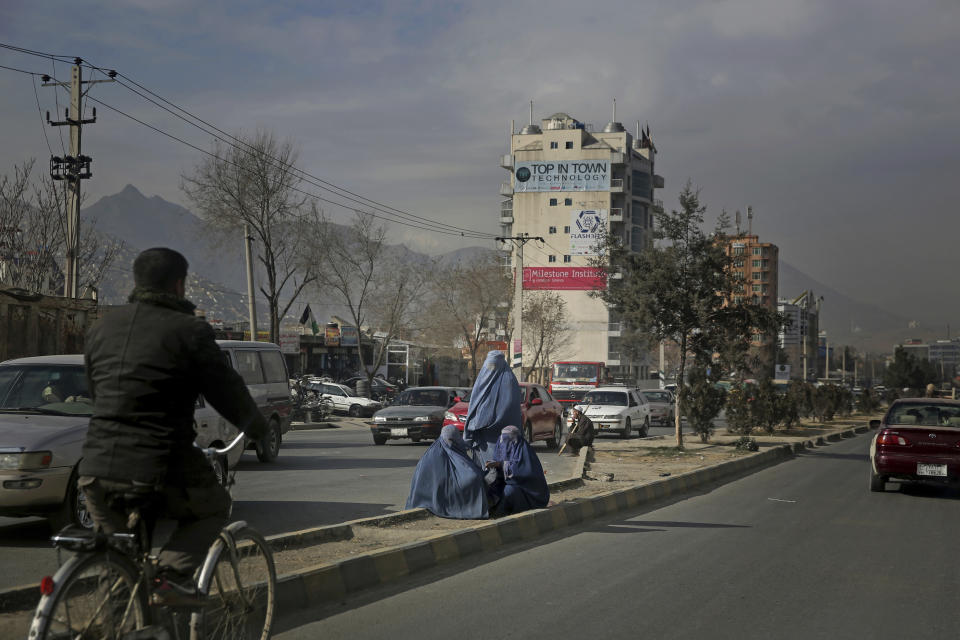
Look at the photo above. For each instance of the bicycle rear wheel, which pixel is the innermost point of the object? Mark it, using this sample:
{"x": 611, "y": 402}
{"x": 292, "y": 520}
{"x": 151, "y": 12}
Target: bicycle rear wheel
{"x": 95, "y": 595}
{"x": 240, "y": 582}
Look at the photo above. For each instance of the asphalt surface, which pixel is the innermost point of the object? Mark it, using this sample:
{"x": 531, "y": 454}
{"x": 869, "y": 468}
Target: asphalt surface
{"x": 798, "y": 550}
{"x": 323, "y": 476}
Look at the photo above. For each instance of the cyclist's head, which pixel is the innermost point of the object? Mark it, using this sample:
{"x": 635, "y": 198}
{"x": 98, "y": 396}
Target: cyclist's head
{"x": 160, "y": 269}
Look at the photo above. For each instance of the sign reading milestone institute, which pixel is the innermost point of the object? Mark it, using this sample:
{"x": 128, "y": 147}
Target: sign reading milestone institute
{"x": 564, "y": 278}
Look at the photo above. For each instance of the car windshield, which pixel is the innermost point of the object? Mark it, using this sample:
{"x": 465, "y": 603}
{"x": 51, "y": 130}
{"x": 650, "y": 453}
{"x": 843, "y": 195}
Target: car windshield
{"x": 615, "y": 398}
{"x": 656, "y": 396}
{"x": 574, "y": 372}
{"x": 423, "y": 398}
{"x": 932, "y": 415}
{"x": 45, "y": 388}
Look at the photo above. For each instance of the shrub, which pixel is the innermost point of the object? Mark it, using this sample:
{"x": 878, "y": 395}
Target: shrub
{"x": 746, "y": 443}
{"x": 739, "y": 409}
{"x": 701, "y": 401}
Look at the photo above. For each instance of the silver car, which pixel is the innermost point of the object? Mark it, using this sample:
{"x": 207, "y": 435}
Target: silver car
{"x": 45, "y": 409}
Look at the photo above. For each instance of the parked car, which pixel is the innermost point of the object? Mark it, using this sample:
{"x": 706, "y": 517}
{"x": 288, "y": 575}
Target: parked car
{"x": 541, "y": 414}
{"x": 616, "y": 409}
{"x": 918, "y": 440}
{"x": 660, "y": 407}
{"x": 416, "y": 413}
{"x": 380, "y": 389}
{"x": 344, "y": 399}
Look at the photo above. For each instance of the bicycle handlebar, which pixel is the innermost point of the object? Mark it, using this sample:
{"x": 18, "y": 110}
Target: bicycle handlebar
{"x": 226, "y": 449}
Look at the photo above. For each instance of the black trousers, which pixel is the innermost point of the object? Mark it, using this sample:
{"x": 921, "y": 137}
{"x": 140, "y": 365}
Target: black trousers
{"x": 200, "y": 512}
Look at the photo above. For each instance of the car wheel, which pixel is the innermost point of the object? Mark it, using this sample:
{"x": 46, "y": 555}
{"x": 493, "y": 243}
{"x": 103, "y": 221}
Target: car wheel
{"x": 627, "y": 429}
{"x": 269, "y": 448}
{"x": 354, "y": 411}
{"x": 73, "y": 511}
{"x": 378, "y": 439}
{"x": 646, "y": 428}
{"x": 554, "y": 440}
{"x": 877, "y": 482}
{"x": 528, "y": 433}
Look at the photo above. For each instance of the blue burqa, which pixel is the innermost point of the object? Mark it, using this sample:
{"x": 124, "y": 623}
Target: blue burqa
{"x": 494, "y": 404}
{"x": 525, "y": 485}
{"x": 447, "y": 482}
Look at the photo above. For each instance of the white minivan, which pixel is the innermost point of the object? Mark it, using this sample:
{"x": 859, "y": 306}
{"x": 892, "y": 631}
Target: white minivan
{"x": 262, "y": 367}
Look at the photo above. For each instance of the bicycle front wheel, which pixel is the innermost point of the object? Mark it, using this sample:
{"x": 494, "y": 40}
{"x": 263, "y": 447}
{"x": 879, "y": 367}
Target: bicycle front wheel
{"x": 95, "y": 595}
{"x": 240, "y": 582}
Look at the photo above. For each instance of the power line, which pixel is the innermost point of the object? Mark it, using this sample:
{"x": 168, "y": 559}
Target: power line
{"x": 307, "y": 193}
{"x": 398, "y": 216}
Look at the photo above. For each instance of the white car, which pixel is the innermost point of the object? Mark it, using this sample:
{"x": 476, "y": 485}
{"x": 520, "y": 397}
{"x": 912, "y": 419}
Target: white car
{"x": 660, "y": 407}
{"x": 616, "y": 409}
{"x": 344, "y": 399}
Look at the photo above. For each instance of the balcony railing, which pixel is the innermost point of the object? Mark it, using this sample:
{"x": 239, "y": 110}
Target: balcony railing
{"x": 616, "y": 215}
{"x": 506, "y": 189}
{"x": 506, "y": 161}
{"x": 616, "y": 184}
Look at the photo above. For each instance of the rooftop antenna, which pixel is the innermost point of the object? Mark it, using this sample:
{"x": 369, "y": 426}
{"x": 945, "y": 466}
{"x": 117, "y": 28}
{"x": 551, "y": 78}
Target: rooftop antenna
{"x": 614, "y": 119}
{"x": 530, "y": 128}
{"x": 738, "y": 221}
{"x": 749, "y": 220}
{"x": 531, "y": 113}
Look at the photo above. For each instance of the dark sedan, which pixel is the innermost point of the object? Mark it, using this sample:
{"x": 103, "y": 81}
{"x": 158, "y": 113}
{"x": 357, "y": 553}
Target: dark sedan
{"x": 918, "y": 440}
{"x": 416, "y": 414}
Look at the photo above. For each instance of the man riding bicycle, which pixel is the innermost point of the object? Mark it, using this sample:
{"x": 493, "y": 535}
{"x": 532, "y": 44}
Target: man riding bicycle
{"x": 147, "y": 362}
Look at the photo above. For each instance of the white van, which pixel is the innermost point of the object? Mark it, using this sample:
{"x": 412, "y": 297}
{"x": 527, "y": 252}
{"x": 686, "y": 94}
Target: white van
{"x": 262, "y": 367}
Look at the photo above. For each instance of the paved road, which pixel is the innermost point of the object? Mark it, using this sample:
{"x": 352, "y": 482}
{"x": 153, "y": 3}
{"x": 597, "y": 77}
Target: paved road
{"x": 800, "y": 550}
{"x": 323, "y": 476}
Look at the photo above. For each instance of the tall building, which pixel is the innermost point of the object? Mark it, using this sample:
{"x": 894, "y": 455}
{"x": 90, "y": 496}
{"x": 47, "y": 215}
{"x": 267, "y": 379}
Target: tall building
{"x": 757, "y": 264}
{"x": 798, "y": 339}
{"x": 567, "y": 184}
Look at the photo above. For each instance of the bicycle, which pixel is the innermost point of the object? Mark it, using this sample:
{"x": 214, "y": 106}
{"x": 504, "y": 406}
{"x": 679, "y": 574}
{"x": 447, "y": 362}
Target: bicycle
{"x": 103, "y": 590}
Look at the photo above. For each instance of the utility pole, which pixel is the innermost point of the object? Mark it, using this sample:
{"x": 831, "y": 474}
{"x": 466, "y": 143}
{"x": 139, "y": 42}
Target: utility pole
{"x": 73, "y": 168}
{"x": 518, "y": 241}
{"x": 251, "y": 301}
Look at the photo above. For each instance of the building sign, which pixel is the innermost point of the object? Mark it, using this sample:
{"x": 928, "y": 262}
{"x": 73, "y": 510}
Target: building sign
{"x": 782, "y": 372}
{"x": 564, "y": 278}
{"x": 348, "y": 336}
{"x": 332, "y": 337}
{"x": 587, "y": 227}
{"x": 563, "y": 175}
{"x": 289, "y": 340}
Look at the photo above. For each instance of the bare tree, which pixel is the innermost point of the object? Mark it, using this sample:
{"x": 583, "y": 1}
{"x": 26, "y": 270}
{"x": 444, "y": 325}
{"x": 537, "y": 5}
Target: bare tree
{"x": 545, "y": 329}
{"x": 379, "y": 289}
{"x": 256, "y": 184}
{"x": 33, "y": 239}
{"x": 468, "y": 303}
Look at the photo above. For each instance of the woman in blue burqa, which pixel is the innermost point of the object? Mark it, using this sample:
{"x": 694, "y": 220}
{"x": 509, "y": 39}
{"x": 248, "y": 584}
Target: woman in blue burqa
{"x": 494, "y": 404}
{"x": 520, "y": 475}
{"x": 447, "y": 482}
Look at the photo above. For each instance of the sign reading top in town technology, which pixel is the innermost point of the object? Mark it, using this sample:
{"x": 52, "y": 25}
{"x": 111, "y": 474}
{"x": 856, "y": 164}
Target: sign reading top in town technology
{"x": 587, "y": 227}
{"x": 563, "y": 175}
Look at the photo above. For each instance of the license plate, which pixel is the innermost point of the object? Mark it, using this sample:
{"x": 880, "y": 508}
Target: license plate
{"x": 939, "y": 470}
{"x": 400, "y": 431}
{"x": 602, "y": 426}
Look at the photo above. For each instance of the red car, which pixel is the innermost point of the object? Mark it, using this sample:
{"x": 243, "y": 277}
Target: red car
{"x": 918, "y": 440}
{"x": 542, "y": 416}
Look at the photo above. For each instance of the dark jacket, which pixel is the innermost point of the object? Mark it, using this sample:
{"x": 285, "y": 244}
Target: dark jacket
{"x": 147, "y": 362}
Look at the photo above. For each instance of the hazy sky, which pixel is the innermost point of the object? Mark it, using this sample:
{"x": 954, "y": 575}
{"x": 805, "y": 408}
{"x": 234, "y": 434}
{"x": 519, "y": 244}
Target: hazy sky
{"x": 837, "y": 121}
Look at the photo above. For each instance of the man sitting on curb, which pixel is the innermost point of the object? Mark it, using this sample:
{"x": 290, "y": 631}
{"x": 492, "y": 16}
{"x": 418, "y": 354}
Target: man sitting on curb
{"x": 581, "y": 432}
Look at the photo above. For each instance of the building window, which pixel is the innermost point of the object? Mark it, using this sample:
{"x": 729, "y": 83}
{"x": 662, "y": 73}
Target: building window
{"x": 551, "y": 258}
{"x": 755, "y": 288}
{"x": 738, "y": 251}
{"x": 553, "y": 145}
{"x": 738, "y": 263}
{"x": 757, "y": 251}
{"x": 567, "y": 202}
{"x": 757, "y": 275}
{"x": 566, "y": 229}
{"x": 569, "y": 144}
{"x": 553, "y": 202}
{"x": 757, "y": 264}
{"x": 567, "y": 259}
{"x": 552, "y": 230}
